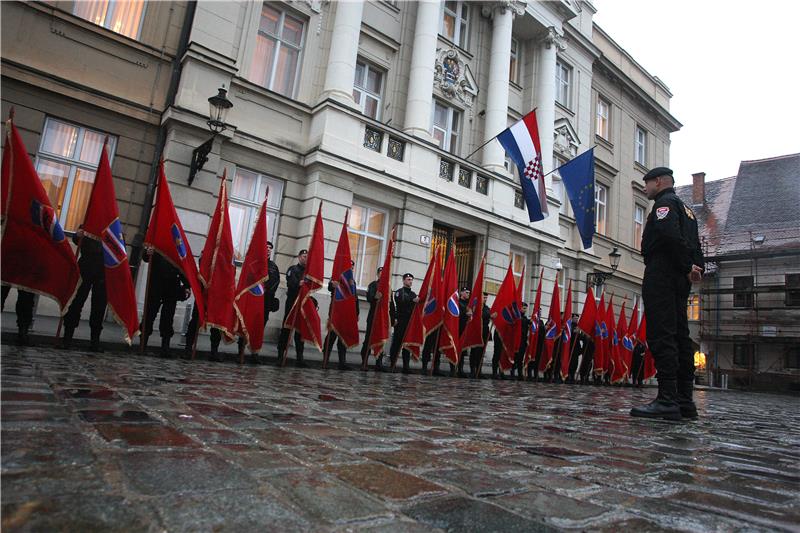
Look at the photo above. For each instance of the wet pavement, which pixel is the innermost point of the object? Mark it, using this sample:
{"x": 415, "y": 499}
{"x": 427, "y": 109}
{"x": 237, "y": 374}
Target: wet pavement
{"x": 123, "y": 442}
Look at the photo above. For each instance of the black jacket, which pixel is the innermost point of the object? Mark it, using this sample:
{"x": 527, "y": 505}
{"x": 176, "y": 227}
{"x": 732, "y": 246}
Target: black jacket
{"x": 90, "y": 260}
{"x": 166, "y": 281}
{"x": 463, "y": 305}
{"x": 294, "y": 277}
{"x": 402, "y": 305}
{"x": 272, "y": 283}
{"x": 670, "y": 239}
{"x": 372, "y": 290}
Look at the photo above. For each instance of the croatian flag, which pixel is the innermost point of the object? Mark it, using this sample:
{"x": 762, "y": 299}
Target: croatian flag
{"x": 521, "y": 143}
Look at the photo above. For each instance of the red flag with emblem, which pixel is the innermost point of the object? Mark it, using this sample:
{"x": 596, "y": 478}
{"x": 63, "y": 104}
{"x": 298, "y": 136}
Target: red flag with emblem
{"x": 343, "y": 318}
{"x": 552, "y": 329}
{"x": 586, "y": 323}
{"x": 473, "y": 332}
{"x": 504, "y": 307}
{"x": 414, "y": 338}
{"x": 507, "y": 360}
{"x": 36, "y": 255}
{"x": 217, "y": 271}
{"x": 649, "y": 362}
{"x": 566, "y": 334}
{"x": 250, "y": 291}
{"x": 379, "y": 333}
{"x": 102, "y": 223}
{"x": 304, "y": 316}
{"x": 165, "y": 234}
{"x": 434, "y": 304}
{"x": 600, "y": 336}
{"x": 618, "y": 348}
{"x": 533, "y": 334}
{"x": 449, "y": 337}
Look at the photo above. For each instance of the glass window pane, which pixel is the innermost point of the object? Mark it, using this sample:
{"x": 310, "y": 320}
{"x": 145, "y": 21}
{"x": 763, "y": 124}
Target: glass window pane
{"x": 372, "y": 252}
{"x": 261, "y": 67}
{"x": 376, "y": 222}
{"x": 356, "y": 95}
{"x": 356, "y": 241}
{"x": 285, "y": 71}
{"x": 292, "y": 30}
{"x": 54, "y": 179}
{"x": 439, "y": 136}
{"x": 92, "y": 10}
{"x": 81, "y": 190}
{"x": 92, "y": 144}
{"x": 238, "y": 216}
{"x": 270, "y": 19}
{"x": 440, "y": 115}
{"x": 360, "y": 69}
{"x": 126, "y": 17}
{"x": 374, "y": 81}
{"x": 357, "y": 215}
{"x": 244, "y": 185}
{"x": 371, "y": 107}
{"x": 449, "y": 26}
{"x": 60, "y": 138}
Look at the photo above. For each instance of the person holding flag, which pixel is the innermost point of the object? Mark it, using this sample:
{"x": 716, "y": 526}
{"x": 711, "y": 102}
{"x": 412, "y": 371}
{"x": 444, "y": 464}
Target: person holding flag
{"x": 93, "y": 279}
{"x": 294, "y": 278}
{"x": 475, "y": 334}
{"x": 535, "y": 339}
{"x": 566, "y": 336}
{"x": 586, "y": 329}
{"x": 504, "y": 314}
{"x": 401, "y": 308}
{"x": 449, "y": 335}
{"x": 600, "y": 341}
{"x": 379, "y": 333}
{"x": 373, "y": 297}
{"x": 524, "y": 333}
{"x": 552, "y": 331}
{"x": 414, "y": 338}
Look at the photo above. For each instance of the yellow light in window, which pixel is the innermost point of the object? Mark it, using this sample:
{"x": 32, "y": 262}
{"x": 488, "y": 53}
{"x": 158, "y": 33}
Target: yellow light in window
{"x": 699, "y": 360}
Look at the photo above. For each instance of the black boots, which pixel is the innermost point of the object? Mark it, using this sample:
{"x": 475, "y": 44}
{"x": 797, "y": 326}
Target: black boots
{"x": 94, "y": 344}
{"x": 164, "y": 348}
{"x": 22, "y": 336}
{"x": 66, "y": 340}
{"x": 379, "y": 364}
{"x": 685, "y": 402}
{"x": 665, "y": 405}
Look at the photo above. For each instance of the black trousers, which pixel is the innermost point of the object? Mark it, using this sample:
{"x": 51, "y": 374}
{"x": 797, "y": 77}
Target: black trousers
{"x": 96, "y": 283}
{"x": 330, "y": 339}
{"x": 397, "y": 340}
{"x": 167, "y": 305}
{"x": 367, "y": 332}
{"x": 665, "y": 294}
{"x": 429, "y": 350}
{"x": 475, "y": 357}
{"x": 637, "y": 366}
{"x": 498, "y": 352}
{"x": 191, "y": 331}
{"x": 586, "y": 361}
{"x": 24, "y": 307}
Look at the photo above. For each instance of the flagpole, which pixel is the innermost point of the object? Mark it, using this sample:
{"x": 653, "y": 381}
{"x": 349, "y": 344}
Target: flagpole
{"x": 144, "y": 337}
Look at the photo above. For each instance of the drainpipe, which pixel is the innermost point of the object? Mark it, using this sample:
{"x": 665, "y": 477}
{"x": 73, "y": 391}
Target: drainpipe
{"x": 161, "y": 139}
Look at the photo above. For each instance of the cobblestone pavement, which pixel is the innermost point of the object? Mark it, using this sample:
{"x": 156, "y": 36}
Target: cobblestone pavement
{"x": 135, "y": 443}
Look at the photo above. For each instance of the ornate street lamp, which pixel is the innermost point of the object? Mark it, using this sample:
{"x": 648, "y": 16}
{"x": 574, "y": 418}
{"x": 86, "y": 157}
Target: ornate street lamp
{"x": 597, "y": 279}
{"x": 218, "y": 108}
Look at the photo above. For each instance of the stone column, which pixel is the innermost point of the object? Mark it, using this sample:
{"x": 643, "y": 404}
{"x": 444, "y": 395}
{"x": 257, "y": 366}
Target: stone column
{"x": 497, "y": 88}
{"x": 546, "y": 94}
{"x": 341, "y": 68}
{"x": 423, "y": 59}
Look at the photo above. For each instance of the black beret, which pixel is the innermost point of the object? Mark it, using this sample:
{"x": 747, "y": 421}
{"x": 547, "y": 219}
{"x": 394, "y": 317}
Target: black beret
{"x": 303, "y": 251}
{"x": 408, "y": 275}
{"x": 657, "y": 172}
{"x": 465, "y": 288}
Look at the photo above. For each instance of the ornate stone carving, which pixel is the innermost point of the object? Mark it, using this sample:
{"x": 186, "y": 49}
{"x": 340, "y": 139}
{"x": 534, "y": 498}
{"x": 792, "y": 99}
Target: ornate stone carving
{"x": 565, "y": 139}
{"x": 453, "y": 77}
{"x": 517, "y": 7}
{"x": 553, "y": 38}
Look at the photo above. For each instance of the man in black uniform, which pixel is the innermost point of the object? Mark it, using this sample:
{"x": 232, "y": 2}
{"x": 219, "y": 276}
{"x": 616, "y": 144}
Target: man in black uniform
{"x": 464, "y": 314}
{"x": 372, "y": 298}
{"x": 476, "y": 353}
{"x": 400, "y": 309}
{"x": 519, "y": 357}
{"x": 167, "y": 288}
{"x": 587, "y": 349}
{"x": 24, "y": 309}
{"x": 294, "y": 276}
{"x": 93, "y": 278}
{"x": 533, "y": 364}
{"x": 673, "y": 261}
{"x": 332, "y": 337}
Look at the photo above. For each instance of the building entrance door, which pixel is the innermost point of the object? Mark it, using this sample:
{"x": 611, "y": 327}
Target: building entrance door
{"x": 444, "y": 238}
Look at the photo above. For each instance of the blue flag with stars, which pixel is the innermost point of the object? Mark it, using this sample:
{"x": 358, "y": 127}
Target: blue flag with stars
{"x": 578, "y": 178}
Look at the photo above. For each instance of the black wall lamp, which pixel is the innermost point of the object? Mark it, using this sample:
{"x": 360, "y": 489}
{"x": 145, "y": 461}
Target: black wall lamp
{"x": 597, "y": 279}
{"x": 218, "y": 107}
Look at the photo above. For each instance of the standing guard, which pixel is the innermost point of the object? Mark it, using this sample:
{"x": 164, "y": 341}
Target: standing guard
{"x": 401, "y": 307}
{"x": 294, "y": 277}
{"x": 167, "y": 288}
{"x": 93, "y": 278}
{"x": 332, "y": 337}
{"x": 372, "y": 299}
{"x": 24, "y": 310}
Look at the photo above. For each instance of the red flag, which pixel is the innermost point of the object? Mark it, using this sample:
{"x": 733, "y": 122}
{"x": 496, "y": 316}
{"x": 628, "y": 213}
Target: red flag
{"x": 343, "y": 317}
{"x": 533, "y": 334}
{"x": 102, "y": 223}
{"x": 249, "y": 301}
{"x": 434, "y": 303}
{"x": 600, "y": 336}
{"x": 566, "y": 335}
{"x": 165, "y": 234}
{"x": 610, "y": 359}
{"x": 304, "y": 315}
{"x": 503, "y": 305}
{"x": 380, "y": 321}
{"x": 36, "y": 254}
{"x": 649, "y": 362}
{"x": 414, "y": 338}
{"x": 449, "y": 336}
{"x": 586, "y": 324}
{"x": 618, "y": 349}
{"x": 217, "y": 271}
{"x": 551, "y": 329}
{"x": 633, "y": 326}
{"x": 473, "y": 331}
{"x": 518, "y": 313}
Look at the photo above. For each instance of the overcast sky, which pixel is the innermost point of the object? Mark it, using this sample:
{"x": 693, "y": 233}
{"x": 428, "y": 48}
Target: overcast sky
{"x": 733, "y": 68}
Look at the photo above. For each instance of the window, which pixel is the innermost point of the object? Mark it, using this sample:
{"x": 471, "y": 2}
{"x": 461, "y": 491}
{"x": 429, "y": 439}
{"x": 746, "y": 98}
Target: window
{"x": 513, "y": 66}
{"x": 638, "y": 225}
{"x": 601, "y": 118}
{"x": 120, "y": 16}
{"x": 693, "y": 307}
{"x": 600, "y": 207}
{"x": 563, "y": 280}
{"x": 743, "y": 291}
{"x": 246, "y": 195}
{"x": 792, "y": 290}
{"x": 446, "y": 121}
{"x": 367, "y": 89}
{"x": 518, "y": 261}
{"x": 563, "y": 81}
{"x": 743, "y": 355}
{"x": 367, "y": 232}
{"x": 791, "y": 358}
{"x": 276, "y": 59}
{"x": 66, "y": 163}
{"x": 455, "y": 22}
{"x": 640, "y": 146}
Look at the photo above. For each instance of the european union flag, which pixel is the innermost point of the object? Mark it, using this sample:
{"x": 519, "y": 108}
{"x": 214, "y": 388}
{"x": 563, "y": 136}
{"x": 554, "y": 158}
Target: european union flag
{"x": 578, "y": 178}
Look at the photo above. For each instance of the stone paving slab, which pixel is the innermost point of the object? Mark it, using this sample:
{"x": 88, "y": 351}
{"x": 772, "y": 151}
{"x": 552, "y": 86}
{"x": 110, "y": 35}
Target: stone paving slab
{"x": 124, "y": 442}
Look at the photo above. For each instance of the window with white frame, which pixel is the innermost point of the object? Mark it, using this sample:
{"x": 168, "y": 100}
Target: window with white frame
{"x": 563, "y": 281}
{"x": 367, "y": 89}
{"x": 513, "y": 65}
{"x": 563, "y": 83}
{"x": 640, "y": 146}
{"x": 600, "y": 208}
{"x": 446, "y": 124}
{"x": 279, "y": 43}
{"x": 455, "y": 22}
{"x": 602, "y": 116}
{"x": 246, "y": 196}
{"x": 66, "y": 163}
{"x": 518, "y": 262}
{"x": 120, "y": 16}
{"x": 367, "y": 230}
{"x": 638, "y": 224}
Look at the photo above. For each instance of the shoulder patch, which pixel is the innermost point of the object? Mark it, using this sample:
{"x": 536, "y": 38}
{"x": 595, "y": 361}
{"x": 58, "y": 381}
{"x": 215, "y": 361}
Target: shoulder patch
{"x": 662, "y": 212}
{"x": 689, "y": 212}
